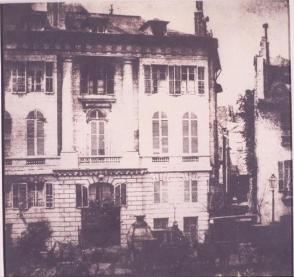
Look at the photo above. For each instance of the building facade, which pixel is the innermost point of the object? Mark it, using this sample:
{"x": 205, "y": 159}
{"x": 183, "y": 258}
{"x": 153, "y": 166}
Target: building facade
{"x": 273, "y": 140}
{"x": 106, "y": 110}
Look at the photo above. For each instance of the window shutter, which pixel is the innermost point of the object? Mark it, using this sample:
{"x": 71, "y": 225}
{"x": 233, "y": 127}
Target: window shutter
{"x": 123, "y": 200}
{"x": 177, "y": 80}
{"x": 186, "y": 147}
{"x": 164, "y": 188}
{"x": 117, "y": 195}
{"x": 155, "y": 134}
{"x": 21, "y": 78}
{"x": 85, "y": 196}
{"x": 40, "y": 137}
{"x": 49, "y": 77}
{"x": 32, "y": 195}
{"x": 287, "y": 176}
{"x": 154, "y": 73}
{"x": 23, "y": 196}
{"x": 164, "y": 133}
{"x": 147, "y": 76}
{"x": 79, "y": 196}
{"x": 186, "y": 191}
{"x": 30, "y": 137}
{"x": 94, "y": 138}
{"x": 157, "y": 192}
{"x": 15, "y": 199}
{"x": 281, "y": 175}
{"x": 101, "y": 138}
{"x": 194, "y": 191}
{"x": 194, "y": 136}
{"x": 49, "y": 195}
{"x": 171, "y": 80}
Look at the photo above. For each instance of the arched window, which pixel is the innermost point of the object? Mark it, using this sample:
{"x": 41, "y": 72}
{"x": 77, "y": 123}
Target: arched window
{"x": 35, "y": 133}
{"x": 190, "y": 136}
{"x": 97, "y": 130}
{"x": 7, "y": 133}
{"x": 160, "y": 133}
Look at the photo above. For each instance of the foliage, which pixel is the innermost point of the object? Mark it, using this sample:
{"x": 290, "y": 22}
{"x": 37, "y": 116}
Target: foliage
{"x": 248, "y": 114}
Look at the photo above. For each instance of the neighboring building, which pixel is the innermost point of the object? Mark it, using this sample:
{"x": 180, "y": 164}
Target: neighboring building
{"x": 233, "y": 172}
{"x": 273, "y": 148}
{"x": 106, "y": 110}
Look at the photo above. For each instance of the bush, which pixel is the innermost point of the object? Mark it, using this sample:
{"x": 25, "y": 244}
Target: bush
{"x": 33, "y": 240}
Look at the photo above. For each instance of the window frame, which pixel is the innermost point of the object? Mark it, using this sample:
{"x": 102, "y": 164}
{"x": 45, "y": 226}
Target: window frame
{"x": 95, "y": 76}
{"x": 190, "y": 195}
{"x": 17, "y": 185}
{"x": 37, "y": 139}
{"x": 84, "y": 199}
{"x": 160, "y": 192}
{"x": 97, "y": 122}
{"x": 160, "y": 120}
{"x": 31, "y": 70}
{"x": 119, "y": 191}
{"x": 190, "y": 118}
{"x": 157, "y": 223}
{"x": 285, "y": 181}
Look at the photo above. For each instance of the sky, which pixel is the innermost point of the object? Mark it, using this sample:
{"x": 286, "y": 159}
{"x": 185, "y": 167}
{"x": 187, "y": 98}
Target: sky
{"x": 237, "y": 24}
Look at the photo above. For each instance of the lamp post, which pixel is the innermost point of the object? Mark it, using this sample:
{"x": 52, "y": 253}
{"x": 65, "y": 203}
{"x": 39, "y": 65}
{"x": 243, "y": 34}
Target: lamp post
{"x": 272, "y": 184}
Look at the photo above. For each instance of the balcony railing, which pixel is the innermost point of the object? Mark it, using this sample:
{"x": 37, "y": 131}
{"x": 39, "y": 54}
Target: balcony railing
{"x": 99, "y": 160}
{"x": 32, "y": 161}
{"x": 190, "y": 158}
{"x": 160, "y": 159}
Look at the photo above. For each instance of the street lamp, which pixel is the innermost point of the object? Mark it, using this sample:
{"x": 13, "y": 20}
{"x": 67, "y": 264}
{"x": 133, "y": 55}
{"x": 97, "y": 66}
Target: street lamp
{"x": 272, "y": 184}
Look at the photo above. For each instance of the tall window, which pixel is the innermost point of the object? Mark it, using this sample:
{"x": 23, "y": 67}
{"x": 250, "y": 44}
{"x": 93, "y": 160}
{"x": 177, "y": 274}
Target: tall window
{"x": 81, "y": 196}
{"x": 35, "y": 192}
{"x": 7, "y": 133}
{"x": 154, "y": 75}
{"x": 190, "y": 191}
{"x": 160, "y": 133}
{"x": 35, "y": 133}
{"x": 20, "y": 195}
{"x": 190, "y": 136}
{"x": 285, "y": 175}
{"x": 120, "y": 194}
{"x": 97, "y": 126}
{"x": 160, "y": 191}
{"x": 97, "y": 79}
{"x": 32, "y": 77}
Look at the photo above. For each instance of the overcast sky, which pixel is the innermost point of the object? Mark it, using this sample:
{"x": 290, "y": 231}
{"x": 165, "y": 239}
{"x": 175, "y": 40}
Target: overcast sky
{"x": 236, "y": 23}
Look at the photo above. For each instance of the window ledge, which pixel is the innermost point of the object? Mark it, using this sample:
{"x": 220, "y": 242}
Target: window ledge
{"x": 97, "y": 101}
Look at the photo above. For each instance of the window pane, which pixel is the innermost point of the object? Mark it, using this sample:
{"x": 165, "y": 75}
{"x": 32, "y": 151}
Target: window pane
{"x": 155, "y": 134}
{"x": 192, "y": 73}
{"x": 194, "y": 128}
{"x": 185, "y": 128}
{"x": 184, "y": 73}
{"x": 200, "y": 73}
{"x": 186, "y": 145}
{"x": 186, "y": 191}
{"x": 23, "y": 197}
{"x": 164, "y": 142}
{"x": 194, "y": 145}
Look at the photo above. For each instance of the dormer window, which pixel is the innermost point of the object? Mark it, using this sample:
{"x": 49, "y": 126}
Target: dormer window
{"x": 155, "y": 27}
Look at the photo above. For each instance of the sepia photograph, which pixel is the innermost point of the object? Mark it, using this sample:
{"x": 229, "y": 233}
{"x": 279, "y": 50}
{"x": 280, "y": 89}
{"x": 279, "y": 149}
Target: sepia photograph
{"x": 147, "y": 138}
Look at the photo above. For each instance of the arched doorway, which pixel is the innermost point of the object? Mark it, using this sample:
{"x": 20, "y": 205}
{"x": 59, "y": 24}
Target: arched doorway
{"x": 101, "y": 219}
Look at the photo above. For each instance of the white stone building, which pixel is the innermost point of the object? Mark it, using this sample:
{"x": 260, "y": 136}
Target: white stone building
{"x": 106, "y": 109}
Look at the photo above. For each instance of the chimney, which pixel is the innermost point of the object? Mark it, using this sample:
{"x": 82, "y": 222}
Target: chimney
{"x": 267, "y": 58}
{"x": 200, "y": 20}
